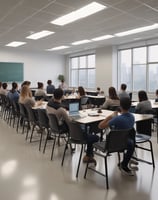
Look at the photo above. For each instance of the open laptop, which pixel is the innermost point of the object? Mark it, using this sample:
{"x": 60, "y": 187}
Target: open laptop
{"x": 74, "y": 110}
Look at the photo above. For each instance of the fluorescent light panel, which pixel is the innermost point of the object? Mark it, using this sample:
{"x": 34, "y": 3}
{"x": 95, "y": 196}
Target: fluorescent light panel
{"x": 57, "y": 48}
{"x": 81, "y": 42}
{"x": 137, "y": 30}
{"x": 15, "y": 44}
{"x": 85, "y": 11}
{"x": 40, "y": 34}
{"x": 104, "y": 37}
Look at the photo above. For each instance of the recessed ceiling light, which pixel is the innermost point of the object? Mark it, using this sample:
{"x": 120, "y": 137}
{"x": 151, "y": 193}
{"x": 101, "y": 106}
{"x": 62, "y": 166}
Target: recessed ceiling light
{"x": 137, "y": 30}
{"x": 15, "y": 44}
{"x": 81, "y": 42}
{"x": 104, "y": 37}
{"x": 137, "y": 38}
{"x": 38, "y": 35}
{"x": 85, "y": 11}
{"x": 57, "y": 48}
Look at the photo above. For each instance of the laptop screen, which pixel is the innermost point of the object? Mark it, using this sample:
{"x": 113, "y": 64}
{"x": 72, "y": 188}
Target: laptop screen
{"x": 73, "y": 108}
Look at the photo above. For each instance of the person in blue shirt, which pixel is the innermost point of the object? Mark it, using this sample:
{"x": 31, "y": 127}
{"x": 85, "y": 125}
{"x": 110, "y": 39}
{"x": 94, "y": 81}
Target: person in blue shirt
{"x": 50, "y": 87}
{"x": 123, "y": 121}
{"x": 13, "y": 94}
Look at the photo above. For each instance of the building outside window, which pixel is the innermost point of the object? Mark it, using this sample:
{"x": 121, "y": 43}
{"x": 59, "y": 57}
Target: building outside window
{"x": 82, "y": 71}
{"x": 138, "y": 68}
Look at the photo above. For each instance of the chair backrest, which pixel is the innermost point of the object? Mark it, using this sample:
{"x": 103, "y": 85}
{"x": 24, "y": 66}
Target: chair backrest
{"x": 31, "y": 113}
{"x": 144, "y": 127}
{"x": 130, "y": 96}
{"x": 53, "y": 123}
{"x": 113, "y": 108}
{"x": 84, "y": 100}
{"x": 16, "y": 107}
{"x": 43, "y": 118}
{"x": 117, "y": 140}
{"x": 23, "y": 111}
{"x": 75, "y": 132}
{"x": 37, "y": 98}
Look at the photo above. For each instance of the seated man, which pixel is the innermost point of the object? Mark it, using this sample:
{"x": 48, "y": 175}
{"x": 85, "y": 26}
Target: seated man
{"x": 123, "y": 121}
{"x": 54, "y": 106}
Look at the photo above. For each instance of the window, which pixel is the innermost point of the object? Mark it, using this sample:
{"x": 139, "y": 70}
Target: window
{"x": 125, "y": 68}
{"x": 82, "y": 71}
{"x": 138, "y": 68}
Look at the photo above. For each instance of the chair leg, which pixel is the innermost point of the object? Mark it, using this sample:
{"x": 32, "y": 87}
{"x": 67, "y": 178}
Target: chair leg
{"x": 66, "y": 147}
{"x": 33, "y": 128}
{"x": 41, "y": 137}
{"x": 45, "y": 143}
{"x": 53, "y": 147}
{"x": 106, "y": 172}
{"x": 152, "y": 154}
{"x": 79, "y": 161}
{"x": 17, "y": 126}
{"x": 85, "y": 173}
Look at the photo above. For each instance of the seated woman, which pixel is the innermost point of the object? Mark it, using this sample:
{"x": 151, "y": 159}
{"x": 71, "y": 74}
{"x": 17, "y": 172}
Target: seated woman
{"x": 81, "y": 92}
{"x": 144, "y": 104}
{"x": 26, "y": 96}
{"x": 40, "y": 92}
{"x": 82, "y": 97}
{"x": 113, "y": 99}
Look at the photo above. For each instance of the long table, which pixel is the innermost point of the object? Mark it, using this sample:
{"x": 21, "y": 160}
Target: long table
{"x": 92, "y": 115}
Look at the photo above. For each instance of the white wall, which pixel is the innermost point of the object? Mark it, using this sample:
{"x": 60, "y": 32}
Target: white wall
{"x": 37, "y": 66}
{"x": 104, "y": 68}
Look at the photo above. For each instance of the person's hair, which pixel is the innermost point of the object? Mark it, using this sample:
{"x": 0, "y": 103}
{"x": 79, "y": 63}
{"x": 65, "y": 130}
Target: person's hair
{"x": 25, "y": 92}
{"x": 28, "y": 83}
{"x": 4, "y": 85}
{"x": 49, "y": 82}
{"x": 125, "y": 103}
{"x": 142, "y": 95}
{"x": 40, "y": 85}
{"x": 98, "y": 88}
{"x": 112, "y": 93}
{"x": 81, "y": 91}
{"x": 156, "y": 92}
{"x": 14, "y": 87}
{"x": 58, "y": 93}
{"x": 123, "y": 86}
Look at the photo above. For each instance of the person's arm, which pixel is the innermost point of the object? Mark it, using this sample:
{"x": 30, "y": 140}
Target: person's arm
{"x": 105, "y": 123}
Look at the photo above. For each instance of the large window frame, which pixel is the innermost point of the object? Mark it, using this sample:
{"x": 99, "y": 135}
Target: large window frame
{"x": 82, "y": 71}
{"x": 143, "y": 71}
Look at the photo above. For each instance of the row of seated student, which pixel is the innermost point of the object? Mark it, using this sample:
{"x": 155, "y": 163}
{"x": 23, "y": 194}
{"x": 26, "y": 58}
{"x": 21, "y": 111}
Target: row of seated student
{"x": 143, "y": 107}
{"x": 111, "y": 101}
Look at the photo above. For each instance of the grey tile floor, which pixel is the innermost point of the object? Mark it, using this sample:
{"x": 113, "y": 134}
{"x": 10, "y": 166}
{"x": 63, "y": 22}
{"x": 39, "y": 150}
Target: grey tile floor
{"x": 27, "y": 174}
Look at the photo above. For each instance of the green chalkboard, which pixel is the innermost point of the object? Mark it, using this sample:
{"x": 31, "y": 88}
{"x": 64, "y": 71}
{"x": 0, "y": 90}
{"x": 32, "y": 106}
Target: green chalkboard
{"x": 10, "y": 72}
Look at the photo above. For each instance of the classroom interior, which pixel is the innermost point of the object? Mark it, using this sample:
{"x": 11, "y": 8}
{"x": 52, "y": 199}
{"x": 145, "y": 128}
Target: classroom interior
{"x": 27, "y": 173}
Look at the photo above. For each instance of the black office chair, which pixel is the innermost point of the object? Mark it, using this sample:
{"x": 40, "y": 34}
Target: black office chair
{"x": 24, "y": 120}
{"x": 114, "y": 108}
{"x": 76, "y": 136}
{"x": 83, "y": 102}
{"x": 56, "y": 132}
{"x": 33, "y": 120}
{"x": 143, "y": 135}
{"x": 43, "y": 123}
{"x": 16, "y": 114}
{"x": 116, "y": 142}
